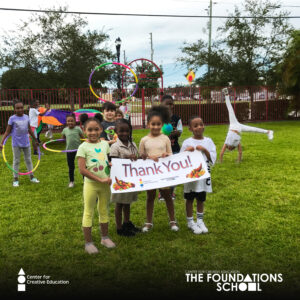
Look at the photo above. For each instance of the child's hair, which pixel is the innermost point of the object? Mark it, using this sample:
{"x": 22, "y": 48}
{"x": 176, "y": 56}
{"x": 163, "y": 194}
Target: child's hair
{"x": 121, "y": 122}
{"x": 160, "y": 111}
{"x": 84, "y": 119}
{"x": 71, "y": 116}
{"x": 17, "y": 101}
{"x": 166, "y": 97}
{"x": 118, "y": 111}
{"x": 109, "y": 106}
{"x": 193, "y": 118}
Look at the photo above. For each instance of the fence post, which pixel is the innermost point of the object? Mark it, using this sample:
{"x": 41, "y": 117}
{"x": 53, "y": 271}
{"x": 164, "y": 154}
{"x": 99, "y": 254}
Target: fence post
{"x": 79, "y": 98}
{"x": 143, "y": 108}
{"x": 199, "y": 101}
{"x": 267, "y": 98}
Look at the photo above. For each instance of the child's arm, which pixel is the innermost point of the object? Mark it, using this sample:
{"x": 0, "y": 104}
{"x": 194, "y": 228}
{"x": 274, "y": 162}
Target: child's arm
{"x": 6, "y": 134}
{"x": 240, "y": 152}
{"x": 222, "y": 153}
{"x": 86, "y": 173}
{"x": 32, "y": 134}
{"x": 189, "y": 148}
{"x": 205, "y": 151}
{"x": 177, "y": 131}
{"x": 63, "y": 136}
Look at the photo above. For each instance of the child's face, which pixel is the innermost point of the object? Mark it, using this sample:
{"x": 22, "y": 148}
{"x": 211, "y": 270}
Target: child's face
{"x": 169, "y": 103}
{"x": 197, "y": 127}
{"x": 19, "y": 109}
{"x": 123, "y": 132}
{"x": 119, "y": 116}
{"x": 109, "y": 115}
{"x": 155, "y": 125}
{"x": 71, "y": 122}
{"x": 93, "y": 131}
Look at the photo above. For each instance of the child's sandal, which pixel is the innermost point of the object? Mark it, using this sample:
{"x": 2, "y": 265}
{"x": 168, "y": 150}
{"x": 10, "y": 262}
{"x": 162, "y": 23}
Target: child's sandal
{"x": 147, "y": 227}
{"x": 174, "y": 227}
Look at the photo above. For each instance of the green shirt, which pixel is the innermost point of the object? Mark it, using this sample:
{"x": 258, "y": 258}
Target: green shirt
{"x": 72, "y": 137}
{"x": 96, "y": 160}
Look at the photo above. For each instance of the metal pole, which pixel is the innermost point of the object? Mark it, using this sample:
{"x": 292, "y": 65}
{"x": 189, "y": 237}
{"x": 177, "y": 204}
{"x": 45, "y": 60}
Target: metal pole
{"x": 151, "y": 44}
{"x": 209, "y": 40}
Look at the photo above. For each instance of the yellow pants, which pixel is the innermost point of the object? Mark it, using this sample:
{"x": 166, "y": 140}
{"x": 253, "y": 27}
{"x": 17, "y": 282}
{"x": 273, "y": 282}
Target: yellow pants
{"x": 91, "y": 192}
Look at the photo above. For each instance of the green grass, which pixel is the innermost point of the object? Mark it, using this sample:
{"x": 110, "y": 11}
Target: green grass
{"x": 252, "y": 216}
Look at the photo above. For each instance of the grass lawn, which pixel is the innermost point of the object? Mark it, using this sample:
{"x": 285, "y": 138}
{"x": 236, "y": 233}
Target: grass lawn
{"x": 252, "y": 216}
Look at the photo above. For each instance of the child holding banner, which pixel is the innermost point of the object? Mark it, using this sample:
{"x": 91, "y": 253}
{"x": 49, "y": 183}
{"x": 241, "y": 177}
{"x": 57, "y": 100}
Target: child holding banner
{"x": 198, "y": 189}
{"x": 93, "y": 165}
{"x": 174, "y": 135}
{"x": 124, "y": 147}
{"x": 153, "y": 146}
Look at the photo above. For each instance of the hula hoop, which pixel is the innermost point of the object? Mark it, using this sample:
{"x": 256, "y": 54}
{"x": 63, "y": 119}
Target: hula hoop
{"x": 59, "y": 151}
{"x": 119, "y": 64}
{"x": 10, "y": 167}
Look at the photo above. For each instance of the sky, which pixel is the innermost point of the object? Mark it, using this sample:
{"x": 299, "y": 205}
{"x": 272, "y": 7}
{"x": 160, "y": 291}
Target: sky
{"x": 169, "y": 34}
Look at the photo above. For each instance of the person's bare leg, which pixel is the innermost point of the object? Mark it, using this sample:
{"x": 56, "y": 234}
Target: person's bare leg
{"x": 118, "y": 215}
{"x": 126, "y": 212}
{"x": 89, "y": 246}
{"x": 150, "y": 206}
{"x": 169, "y": 203}
{"x": 87, "y": 233}
{"x": 189, "y": 208}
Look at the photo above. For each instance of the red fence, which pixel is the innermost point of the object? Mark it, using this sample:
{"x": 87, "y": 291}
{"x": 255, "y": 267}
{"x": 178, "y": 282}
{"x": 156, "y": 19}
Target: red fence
{"x": 250, "y": 103}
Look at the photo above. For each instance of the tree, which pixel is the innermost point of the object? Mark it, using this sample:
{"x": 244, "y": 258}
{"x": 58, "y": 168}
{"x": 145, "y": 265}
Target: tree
{"x": 61, "y": 51}
{"x": 248, "y": 49}
{"x": 289, "y": 70}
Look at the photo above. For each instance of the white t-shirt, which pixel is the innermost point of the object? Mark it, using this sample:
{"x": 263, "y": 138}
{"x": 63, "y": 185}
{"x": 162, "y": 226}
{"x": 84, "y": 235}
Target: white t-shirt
{"x": 33, "y": 117}
{"x": 203, "y": 185}
{"x": 232, "y": 139}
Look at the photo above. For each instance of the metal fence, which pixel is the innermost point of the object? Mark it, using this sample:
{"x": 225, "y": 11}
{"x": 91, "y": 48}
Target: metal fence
{"x": 256, "y": 103}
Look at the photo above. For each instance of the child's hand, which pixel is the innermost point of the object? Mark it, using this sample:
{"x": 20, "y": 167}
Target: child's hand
{"x": 165, "y": 155}
{"x": 132, "y": 157}
{"x": 200, "y": 148}
{"x": 106, "y": 180}
{"x": 155, "y": 158}
{"x": 190, "y": 148}
{"x": 144, "y": 156}
{"x": 1, "y": 146}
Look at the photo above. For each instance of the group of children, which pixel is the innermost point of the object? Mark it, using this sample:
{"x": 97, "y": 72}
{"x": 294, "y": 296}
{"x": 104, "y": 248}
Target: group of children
{"x": 110, "y": 137}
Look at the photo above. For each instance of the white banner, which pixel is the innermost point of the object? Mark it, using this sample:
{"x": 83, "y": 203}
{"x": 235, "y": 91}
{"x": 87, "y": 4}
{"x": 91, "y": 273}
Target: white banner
{"x": 141, "y": 175}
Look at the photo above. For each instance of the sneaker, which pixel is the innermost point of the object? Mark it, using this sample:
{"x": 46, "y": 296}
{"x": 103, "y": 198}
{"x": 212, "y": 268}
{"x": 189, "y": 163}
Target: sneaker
{"x": 173, "y": 196}
{"x": 160, "y": 197}
{"x": 71, "y": 184}
{"x": 16, "y": 183}
{"x": 147, "y": 227}
{"x": 131, "y": 227}
{"x": 125, "y": 232}
{"x": 174, "y": 227}
{"x": 90, "y": 248}
{"x": 35, "y": 153}
{"x": 108, "y": 243}
{"x": 193, "y": 226}
{"x": 202, "y": 226}
{"x": 34, "y": 180}
{"x": 270, "y": 135}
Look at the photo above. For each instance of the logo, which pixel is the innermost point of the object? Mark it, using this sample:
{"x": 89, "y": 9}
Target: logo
{"x": 233, "y": 281}
{"x": 24, "y": 280}
{"x": 21, "y": 281}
